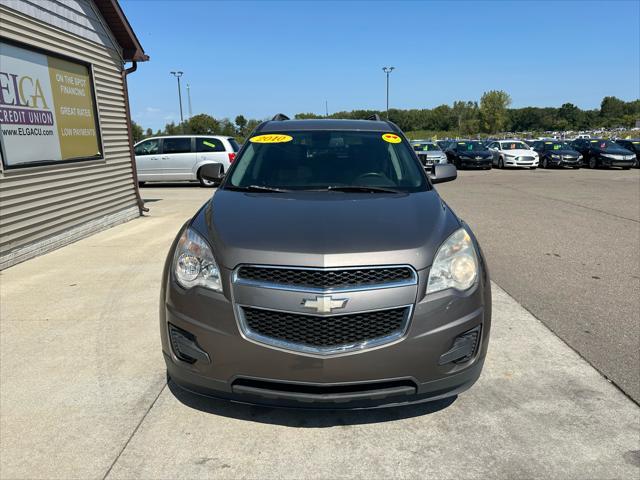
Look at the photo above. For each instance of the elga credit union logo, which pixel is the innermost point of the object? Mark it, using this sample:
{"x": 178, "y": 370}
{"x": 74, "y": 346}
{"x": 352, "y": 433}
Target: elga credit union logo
{"x": 22, "y": 101}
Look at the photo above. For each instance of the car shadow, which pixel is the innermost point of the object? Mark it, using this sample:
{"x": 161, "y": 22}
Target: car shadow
{"x": 304, "y": 418}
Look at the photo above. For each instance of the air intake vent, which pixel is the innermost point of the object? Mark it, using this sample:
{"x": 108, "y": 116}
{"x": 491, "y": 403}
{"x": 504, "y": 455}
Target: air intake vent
{"x": 464, "y": 347}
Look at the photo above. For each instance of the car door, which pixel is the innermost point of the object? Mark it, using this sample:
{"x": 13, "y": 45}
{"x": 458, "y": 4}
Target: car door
{"x": 147, "y": 155}
{"x": 211, "y": 150}
{"x": 493, "y": 148}
{"x": 178, "y": 159}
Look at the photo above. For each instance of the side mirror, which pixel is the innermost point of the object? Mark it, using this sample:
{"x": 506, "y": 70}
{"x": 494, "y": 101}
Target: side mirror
{"x": 443, "y": 173}
{"x": 211, "y": 172}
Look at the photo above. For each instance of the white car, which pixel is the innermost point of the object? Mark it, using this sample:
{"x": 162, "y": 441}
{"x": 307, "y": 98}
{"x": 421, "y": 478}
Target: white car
{"x": 513, "y": 153}
{"x": 428, "y": 152}
{"x": 180, "y": 157}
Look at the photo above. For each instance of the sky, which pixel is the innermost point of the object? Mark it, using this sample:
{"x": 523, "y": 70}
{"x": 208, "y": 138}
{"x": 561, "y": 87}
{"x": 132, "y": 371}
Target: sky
{"x": 260, "y": 58}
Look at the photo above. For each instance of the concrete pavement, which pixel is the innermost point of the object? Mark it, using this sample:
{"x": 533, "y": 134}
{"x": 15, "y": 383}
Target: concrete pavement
{"x": 83, "y": 392}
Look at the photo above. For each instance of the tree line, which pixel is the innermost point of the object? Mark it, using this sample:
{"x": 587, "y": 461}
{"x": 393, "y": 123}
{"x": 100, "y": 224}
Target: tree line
{"x": 491, "y": 115}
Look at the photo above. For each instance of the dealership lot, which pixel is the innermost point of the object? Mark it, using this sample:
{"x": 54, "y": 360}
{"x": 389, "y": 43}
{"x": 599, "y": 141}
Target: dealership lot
{"x": 84, "y": 393}
{"x": 564, "y": 243}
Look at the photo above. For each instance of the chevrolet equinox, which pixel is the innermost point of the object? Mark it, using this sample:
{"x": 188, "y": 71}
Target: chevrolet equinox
{"x": 326, "y": 272}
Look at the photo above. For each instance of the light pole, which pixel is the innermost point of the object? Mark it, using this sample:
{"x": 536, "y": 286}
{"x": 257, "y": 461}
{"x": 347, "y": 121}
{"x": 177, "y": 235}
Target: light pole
{"x": 189, "y": 100}
{"x": 388, "y": 70}
{"x": 178, "y": 75}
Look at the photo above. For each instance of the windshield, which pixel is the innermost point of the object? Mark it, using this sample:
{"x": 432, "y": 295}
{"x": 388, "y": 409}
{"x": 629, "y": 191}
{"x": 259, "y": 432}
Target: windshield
{"x": 321, "y": 160}
{"x": 605, "y": 144}
{"x": 558, "y": 146}
{"x": 633, "y": 145}
{"x": 513, "y": 146}
{"x": 426, "y": 147}
{"x": 470, "y": 146}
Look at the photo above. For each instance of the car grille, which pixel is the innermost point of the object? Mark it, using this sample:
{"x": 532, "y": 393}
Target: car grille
{"x": 525, "y": 159}
{"x": 326, "y": 332}
{"x": 327, "y": 279}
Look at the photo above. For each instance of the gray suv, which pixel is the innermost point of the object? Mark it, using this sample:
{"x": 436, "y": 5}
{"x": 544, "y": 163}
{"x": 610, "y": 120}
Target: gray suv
{"x": 326, "y": 272}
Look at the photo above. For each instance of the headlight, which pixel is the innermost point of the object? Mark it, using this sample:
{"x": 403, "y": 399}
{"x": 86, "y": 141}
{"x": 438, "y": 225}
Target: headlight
{"x": 455, "y": 264}
{"x": 580, "y": 157}
{"x": 193, "y": 263}
{"x": 555, "y": 155}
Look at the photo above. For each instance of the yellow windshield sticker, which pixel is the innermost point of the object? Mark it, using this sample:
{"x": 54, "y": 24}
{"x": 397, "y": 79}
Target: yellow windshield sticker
{"x": 594, "y": 141}
{"x": 209, "y": 144}
{"x": 636, "y": 143}
{"x": 548, "y": 143}
{"x": 391, "y": 138}
{"x": 461, "y": 143}
{"x": 271, "y": 138}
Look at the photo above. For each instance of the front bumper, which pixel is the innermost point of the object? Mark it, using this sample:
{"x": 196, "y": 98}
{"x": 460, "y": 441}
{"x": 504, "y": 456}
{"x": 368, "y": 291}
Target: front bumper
{"x": 473, "y": 163}
{"x": 403, "y": 372}
{"x": 512, "y": 162}
{"x": 561, "y": 162}
{"x": 609, "y": 162}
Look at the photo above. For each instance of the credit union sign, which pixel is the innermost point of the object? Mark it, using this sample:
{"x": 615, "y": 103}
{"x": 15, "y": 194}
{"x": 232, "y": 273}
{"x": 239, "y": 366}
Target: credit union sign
{"x": 47, "y": 109}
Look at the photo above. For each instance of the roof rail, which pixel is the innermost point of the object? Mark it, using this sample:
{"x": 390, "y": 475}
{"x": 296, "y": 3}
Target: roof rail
{"x": 375, "y": 116}
{"x": 280, "y": 116}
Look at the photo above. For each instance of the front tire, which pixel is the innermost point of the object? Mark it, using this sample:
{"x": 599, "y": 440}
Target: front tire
{"x": 593, "y": 163}
{"x": 500, "y": 162}
{"x": 545, "y": 163}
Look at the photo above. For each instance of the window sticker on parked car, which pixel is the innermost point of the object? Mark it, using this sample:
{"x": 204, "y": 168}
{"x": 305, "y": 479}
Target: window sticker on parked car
{"x": 557, "y": 147}
{"x": 209, "y": 144}
{"x": 391, "y": 138}
{"x": 272, "y": 138}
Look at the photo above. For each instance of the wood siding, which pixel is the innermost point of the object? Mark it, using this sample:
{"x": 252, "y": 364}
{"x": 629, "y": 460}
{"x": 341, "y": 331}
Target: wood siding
{"x": 40, "y": 203}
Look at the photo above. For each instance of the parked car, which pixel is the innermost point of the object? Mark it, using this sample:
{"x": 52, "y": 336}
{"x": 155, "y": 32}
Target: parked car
{"x": 557, "y": 153}
{"x": 632, "y": 145}
{"x": 429, "y": 153}
{"x": 604, "y": 153}
{"x": 513, "y": 153}
{"x": 307, "y": 281}
{"x": 181, "y": 157}
{"x": 469, "y": 154}
{"x": 443, "y": 144}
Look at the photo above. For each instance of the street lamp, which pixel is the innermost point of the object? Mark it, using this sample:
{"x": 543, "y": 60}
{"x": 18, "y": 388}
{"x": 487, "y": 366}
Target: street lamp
{"x": 178, "y": 75}
{"x": 388, "y": 70}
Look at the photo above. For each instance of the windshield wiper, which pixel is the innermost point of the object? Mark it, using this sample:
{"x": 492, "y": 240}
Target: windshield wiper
{"x": 357, "y": 188}
{"x": 256, "y": 188}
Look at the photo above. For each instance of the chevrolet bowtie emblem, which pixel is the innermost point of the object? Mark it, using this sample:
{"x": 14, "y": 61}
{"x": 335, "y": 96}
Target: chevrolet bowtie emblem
{"x": 324, "y": 303}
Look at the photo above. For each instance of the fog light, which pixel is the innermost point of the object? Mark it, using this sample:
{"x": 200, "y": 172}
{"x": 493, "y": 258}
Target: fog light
{"x": 185, "y": 346}
{"x": 464, "y": 347}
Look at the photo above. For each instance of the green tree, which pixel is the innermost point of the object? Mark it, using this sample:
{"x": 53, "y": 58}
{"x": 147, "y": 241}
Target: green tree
{"x": 148, "y": 133}
{"x": 202, "y": 124}
{"x": 241, "y": 122}
{"x": 612, "y": 108}
{"x": 493, "y": 108}
{"x": 136, "y": 132}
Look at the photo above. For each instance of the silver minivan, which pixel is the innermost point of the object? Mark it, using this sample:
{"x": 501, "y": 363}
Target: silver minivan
{"x": 180, "y": 157}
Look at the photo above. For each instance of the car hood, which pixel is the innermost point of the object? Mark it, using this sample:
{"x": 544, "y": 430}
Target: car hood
{"x": 325, "y": 229}
{"x": 569, "y": 153}
{"x": 519, "y": 152}
{"x": 474, "y": 154}
{"x": 616, "y": 151}
{"x": 432, "y": 153}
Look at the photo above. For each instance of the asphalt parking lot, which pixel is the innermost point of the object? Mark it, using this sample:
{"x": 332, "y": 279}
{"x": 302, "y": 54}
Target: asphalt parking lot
{"x": 84, "y": 393}
{"x": 566, "y": 245}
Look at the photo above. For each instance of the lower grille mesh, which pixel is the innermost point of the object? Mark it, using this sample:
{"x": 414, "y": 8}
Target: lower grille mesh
{"x": 325, "y": 332}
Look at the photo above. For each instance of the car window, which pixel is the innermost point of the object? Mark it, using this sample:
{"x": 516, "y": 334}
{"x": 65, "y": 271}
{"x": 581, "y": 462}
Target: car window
{"x": 469, "y": 146}
{"x": 234, "y": 145}
{"x": 148, "y": 147}
{"x": 176, "y": 145}
{"x": 209, "y": 145}
{"x": 315, "y": 160}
